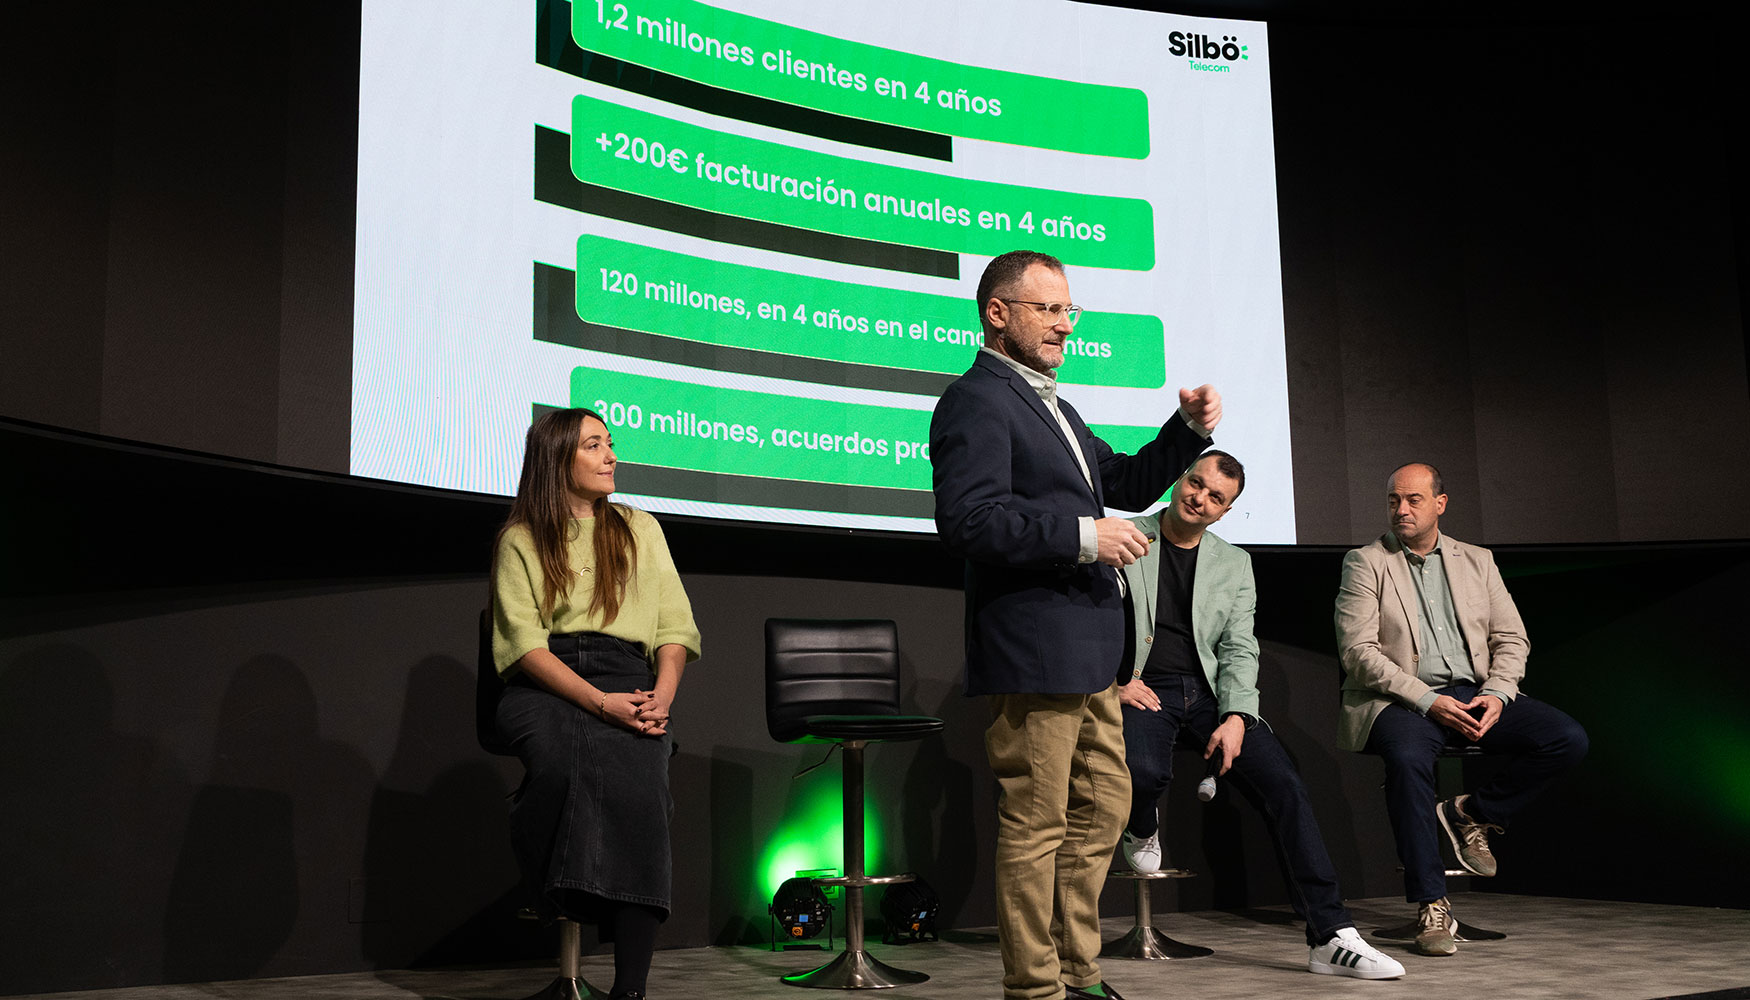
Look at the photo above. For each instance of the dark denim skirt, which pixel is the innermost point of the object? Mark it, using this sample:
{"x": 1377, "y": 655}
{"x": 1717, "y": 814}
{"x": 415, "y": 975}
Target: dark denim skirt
{"x": 590, "y": 823}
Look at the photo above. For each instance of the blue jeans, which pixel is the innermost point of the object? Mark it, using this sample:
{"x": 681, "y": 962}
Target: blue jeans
{"x": 1541, "y": 742}
{"x": 1264, "y": 776}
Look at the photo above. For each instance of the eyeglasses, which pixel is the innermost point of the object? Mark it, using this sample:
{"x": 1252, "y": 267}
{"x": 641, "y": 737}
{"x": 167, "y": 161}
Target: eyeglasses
{"x": 1056, "y": 310}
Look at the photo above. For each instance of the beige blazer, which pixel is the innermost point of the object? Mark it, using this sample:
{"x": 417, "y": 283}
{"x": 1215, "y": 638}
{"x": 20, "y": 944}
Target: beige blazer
{"x": 1378, "y": 629}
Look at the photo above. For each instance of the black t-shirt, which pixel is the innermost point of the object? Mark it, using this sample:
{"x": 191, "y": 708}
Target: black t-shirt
{"x": 1174, "y": 650}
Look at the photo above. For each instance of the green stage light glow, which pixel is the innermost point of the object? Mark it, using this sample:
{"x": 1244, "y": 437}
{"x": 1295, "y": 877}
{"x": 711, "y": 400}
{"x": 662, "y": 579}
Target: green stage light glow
{"x": 1708, "y": 774}
{"x": 812, "y": 835}
{"x": 1725, "y": 777}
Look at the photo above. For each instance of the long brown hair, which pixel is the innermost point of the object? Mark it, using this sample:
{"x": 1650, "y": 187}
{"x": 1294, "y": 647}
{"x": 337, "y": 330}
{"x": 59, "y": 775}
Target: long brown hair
{"x": 543, "y": 505}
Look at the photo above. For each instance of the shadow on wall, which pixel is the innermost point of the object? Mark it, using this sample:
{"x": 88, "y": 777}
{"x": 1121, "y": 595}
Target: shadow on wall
{"x": 277, "y": 797}
{"x": 734, "y": 897}
{"x": 1302, "y": 701}
{"x": 68, "y": 780}
{"x": 440, "y": 883}
{"x": 940, "y": 835}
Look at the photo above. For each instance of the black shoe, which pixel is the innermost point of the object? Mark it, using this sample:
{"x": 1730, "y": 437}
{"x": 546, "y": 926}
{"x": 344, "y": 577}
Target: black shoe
{"x": 1100, "y": 991}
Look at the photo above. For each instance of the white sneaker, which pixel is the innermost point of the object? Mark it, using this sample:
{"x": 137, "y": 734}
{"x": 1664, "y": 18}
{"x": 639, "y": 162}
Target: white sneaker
{"x": 1143, "y": 854}
{"x": 1348, "y": 955}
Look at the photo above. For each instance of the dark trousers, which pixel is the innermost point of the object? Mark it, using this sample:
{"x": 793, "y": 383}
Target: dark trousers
{"x": 1539, "y": 740}
{"x": 1264, "y": 776}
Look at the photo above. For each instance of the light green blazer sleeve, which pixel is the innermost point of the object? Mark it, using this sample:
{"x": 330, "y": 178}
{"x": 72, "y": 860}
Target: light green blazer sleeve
{"x": 1222, "y": 610}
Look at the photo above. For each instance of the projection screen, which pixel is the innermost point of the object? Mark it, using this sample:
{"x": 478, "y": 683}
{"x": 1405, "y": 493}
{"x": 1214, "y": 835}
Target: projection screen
{"x": 749, "y": 233}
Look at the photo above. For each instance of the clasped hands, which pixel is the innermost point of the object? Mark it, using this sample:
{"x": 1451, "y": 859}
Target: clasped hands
{"x": 640, "y": 711}
{"x": 1457, "y": 715}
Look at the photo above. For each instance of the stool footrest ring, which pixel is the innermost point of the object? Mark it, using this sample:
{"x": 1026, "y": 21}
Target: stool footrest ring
{"x": 1162, "y": 873}
{"x": 862, "y": 880}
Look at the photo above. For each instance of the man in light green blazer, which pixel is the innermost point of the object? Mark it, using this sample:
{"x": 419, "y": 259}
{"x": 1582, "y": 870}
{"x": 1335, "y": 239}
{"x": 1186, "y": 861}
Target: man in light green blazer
{"x": 1195, "y": 667}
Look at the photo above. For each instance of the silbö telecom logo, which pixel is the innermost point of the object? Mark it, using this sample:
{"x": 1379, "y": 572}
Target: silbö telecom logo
{"x": 1201, "y": 51}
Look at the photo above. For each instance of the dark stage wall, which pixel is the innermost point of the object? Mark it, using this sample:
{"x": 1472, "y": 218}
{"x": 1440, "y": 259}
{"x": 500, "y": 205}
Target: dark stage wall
{"x": 1518, "y": 250}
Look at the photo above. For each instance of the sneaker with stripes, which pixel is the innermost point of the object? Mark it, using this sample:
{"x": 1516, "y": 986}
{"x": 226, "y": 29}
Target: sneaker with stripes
{"x": 1347, "y": 955}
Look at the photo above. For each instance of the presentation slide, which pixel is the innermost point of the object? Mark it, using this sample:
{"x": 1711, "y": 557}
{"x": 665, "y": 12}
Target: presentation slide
{"x": 749, "y": 235}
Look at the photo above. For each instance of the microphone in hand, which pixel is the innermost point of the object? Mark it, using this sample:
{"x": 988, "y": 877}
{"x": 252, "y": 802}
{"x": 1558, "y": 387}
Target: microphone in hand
{"x": 1206, "y": 787}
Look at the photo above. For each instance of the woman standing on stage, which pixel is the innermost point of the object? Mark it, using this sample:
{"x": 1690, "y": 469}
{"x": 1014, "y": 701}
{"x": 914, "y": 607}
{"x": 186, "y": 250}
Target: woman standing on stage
{"x": 590, "y": 631}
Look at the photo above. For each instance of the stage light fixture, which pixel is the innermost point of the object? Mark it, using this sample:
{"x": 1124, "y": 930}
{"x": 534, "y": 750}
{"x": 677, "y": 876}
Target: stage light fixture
{"x": 799, "y": 912}
{"x": 909, "y": 910}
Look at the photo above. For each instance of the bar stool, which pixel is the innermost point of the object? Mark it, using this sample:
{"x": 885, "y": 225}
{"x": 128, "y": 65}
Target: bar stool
{"x": 1145, "y": 940}
{"x": 838, "y": 682}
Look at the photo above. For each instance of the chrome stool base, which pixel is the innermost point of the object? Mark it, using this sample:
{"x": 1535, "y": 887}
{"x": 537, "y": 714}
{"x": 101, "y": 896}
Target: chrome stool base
{"x": 570, "y": 985}
{"x": 1144, "y": 940}
{"x": 856, "y": 970}
{"x": 1463, "y": 932}
{"x": 1151, "y": 944}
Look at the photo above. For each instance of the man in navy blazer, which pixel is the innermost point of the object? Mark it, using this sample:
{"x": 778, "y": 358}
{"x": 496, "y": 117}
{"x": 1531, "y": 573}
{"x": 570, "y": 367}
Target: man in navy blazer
{"x": 1021, "y": 489}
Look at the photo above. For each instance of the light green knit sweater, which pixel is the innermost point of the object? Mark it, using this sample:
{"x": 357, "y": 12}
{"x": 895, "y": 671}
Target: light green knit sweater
{"x": 655, "y": 610}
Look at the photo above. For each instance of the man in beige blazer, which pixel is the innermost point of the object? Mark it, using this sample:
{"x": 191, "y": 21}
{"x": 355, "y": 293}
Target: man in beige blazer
{"x": 1433, "y": 651}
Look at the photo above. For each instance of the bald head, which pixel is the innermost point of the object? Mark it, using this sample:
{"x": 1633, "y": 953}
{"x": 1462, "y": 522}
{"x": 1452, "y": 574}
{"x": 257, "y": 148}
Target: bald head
{"x": 1435, "y": 486}
{"x": 1414, "y": 501}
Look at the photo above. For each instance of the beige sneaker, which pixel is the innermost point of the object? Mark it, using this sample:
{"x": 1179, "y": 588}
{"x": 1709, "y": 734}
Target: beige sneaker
{"x": 1437, "y": 929}
{"x": 1470, "y": 839}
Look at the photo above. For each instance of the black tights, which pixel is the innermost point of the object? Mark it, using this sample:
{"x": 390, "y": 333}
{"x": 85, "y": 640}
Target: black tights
{"x": 633, "y": 929}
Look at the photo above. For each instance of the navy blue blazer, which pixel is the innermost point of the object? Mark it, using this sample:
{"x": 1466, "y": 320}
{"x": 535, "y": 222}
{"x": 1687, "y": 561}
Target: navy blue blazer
{"x": 1008, "y": 495}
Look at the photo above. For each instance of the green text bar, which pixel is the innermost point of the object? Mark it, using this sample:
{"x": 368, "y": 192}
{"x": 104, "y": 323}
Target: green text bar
{"x": 647, "y": 154}
{"x": 1128, "y": 438}
{"x": 679, "y": 425}
{"x": 755, "y": 56}
{"x": 636, "y": 287}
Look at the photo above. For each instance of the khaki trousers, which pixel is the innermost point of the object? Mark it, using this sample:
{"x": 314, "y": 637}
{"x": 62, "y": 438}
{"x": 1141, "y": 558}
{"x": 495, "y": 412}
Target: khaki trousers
{"x": 1064, "y": 793}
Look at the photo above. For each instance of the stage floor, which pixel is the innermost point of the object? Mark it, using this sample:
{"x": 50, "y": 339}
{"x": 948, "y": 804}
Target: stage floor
{"x": 1555, "y": 948}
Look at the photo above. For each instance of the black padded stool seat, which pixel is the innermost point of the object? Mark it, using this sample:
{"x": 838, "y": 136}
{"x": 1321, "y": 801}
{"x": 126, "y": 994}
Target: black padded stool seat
{"x": 867, "y": 728}
{"x": 837, "y": 681}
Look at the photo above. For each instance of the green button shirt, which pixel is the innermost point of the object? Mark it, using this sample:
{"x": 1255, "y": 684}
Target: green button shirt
{"x": 1444, "y": 659}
